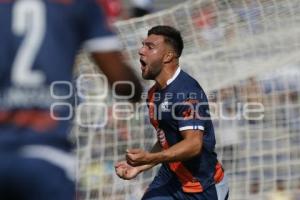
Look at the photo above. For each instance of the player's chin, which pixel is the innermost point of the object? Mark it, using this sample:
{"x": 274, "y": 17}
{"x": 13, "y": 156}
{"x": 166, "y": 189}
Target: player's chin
{"x": 146, "y": 75}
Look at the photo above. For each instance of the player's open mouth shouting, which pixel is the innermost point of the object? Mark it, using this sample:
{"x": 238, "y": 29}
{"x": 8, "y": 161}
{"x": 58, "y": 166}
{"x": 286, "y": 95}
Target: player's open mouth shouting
{"x": 143, "y": 65}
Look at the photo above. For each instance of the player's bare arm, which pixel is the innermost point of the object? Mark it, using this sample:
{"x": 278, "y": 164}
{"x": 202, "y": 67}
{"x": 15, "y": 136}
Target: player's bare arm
{"x": 189, "y": 147}
{"x": 112, "y": 66}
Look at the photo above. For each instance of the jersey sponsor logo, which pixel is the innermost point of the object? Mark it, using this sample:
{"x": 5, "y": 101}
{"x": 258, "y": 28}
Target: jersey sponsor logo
{"x": 188, "y": 114}
{"x": 191, "y": 113}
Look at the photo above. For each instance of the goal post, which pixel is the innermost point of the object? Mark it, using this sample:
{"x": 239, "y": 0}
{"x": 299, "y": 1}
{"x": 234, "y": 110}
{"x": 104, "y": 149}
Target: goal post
{"x": 245, "y": 54}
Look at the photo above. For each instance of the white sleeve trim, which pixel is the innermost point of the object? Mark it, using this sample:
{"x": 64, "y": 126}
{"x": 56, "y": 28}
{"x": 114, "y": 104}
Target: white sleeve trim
{"x": 103, "y": 44}
{"x": 191, "y": 128}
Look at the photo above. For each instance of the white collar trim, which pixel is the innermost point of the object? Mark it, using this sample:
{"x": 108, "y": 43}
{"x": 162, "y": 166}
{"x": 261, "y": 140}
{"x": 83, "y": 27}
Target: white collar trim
{"x": 174, "y": 76}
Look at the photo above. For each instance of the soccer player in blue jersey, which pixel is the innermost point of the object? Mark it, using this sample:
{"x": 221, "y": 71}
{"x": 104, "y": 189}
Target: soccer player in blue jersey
{"x": 179, "y": 111}
{"x": 38, "y": 43}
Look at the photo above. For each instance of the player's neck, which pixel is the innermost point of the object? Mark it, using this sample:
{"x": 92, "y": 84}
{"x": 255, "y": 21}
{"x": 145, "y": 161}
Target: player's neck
{"x": 166, "y": 74}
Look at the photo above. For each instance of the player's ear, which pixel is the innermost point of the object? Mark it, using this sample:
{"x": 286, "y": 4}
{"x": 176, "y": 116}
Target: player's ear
{"x": 169, "y": 57}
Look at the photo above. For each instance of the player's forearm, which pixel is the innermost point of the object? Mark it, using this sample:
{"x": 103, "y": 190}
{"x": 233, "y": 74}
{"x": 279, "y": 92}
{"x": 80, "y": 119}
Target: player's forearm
{"x": 181, "y": 151}
{"x": 155, "y": 149}
{"x": 143, "y": 168}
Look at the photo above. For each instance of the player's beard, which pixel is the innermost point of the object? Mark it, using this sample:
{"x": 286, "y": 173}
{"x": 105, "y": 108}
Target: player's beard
{"x": 152, "y": 71}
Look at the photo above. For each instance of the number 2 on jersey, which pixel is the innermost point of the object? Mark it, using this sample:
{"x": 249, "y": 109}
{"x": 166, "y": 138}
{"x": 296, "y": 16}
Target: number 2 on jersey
{"x": 28, "y": 19}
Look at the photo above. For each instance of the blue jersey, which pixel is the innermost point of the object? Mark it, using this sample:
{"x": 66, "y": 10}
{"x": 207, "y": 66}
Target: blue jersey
{"x": 183, "y": 105}
{"x": 38, "y": 43}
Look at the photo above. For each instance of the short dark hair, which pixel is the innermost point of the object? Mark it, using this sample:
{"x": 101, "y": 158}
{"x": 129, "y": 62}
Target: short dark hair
{"x": 171, "y": 35}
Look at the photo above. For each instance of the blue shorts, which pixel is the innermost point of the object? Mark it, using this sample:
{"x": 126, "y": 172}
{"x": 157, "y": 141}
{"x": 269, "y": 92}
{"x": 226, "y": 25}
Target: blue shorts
{"x": 166, "y": 186}
{"x": 28, "y": 178}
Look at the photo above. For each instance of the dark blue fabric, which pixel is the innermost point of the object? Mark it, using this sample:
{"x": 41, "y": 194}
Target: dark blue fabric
{"x": 32, "y": 179}
{"x": 67, "y": 25}
{"x": 166, "y": 186}
{"x": 186, "y": 89}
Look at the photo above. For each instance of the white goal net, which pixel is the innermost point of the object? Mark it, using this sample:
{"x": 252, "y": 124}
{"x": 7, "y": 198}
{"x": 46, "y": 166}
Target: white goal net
{"x": 246, "y": 55}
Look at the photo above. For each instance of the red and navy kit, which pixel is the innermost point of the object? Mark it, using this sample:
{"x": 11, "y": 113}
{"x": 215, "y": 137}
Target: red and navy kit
{"x": 183, "y": 105}
{"x": 39, "y": 40}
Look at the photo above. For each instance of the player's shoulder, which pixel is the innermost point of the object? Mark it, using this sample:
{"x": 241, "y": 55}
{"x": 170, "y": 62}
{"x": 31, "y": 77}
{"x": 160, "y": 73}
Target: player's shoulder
{"x": 187, "y": 77}
{"x": 186, "y": 87}
{"x": 186, "y": 82}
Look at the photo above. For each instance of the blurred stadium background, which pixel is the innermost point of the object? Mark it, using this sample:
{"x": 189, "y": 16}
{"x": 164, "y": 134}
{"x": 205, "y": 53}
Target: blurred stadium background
{"x": 243, "y": 52}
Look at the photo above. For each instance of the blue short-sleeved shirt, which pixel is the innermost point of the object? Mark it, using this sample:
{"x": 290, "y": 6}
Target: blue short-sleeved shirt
{"x": 183, "y": 105}
{"x": 38, "y": 44}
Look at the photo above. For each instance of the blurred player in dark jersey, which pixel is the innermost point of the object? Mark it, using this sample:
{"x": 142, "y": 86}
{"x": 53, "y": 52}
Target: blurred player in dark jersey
{"x": 38, "y": 43}
{"x": 179, "y": 111}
